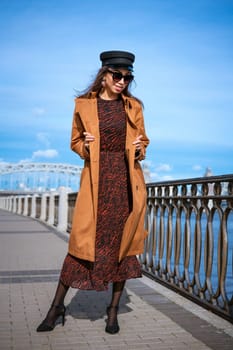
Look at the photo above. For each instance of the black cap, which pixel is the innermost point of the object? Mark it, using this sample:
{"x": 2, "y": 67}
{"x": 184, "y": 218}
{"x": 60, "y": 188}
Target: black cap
{"x": 118, "y": 59}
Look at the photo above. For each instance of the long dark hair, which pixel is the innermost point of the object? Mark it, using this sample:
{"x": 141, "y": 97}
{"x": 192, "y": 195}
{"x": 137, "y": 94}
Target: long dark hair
{"x": 96, "y": 86}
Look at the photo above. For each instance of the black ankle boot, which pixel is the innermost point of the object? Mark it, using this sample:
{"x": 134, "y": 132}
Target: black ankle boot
{"x": 112, "y": 326}
{"x": 48, "y": 325}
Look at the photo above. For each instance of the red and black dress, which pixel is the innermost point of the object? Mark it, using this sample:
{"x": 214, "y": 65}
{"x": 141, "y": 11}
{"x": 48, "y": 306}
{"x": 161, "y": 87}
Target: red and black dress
{"x": 114, "y": 206}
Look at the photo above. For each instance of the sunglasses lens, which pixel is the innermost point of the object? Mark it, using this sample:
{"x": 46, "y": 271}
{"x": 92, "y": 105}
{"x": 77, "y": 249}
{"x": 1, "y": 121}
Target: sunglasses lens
{"x": 117, "y": 76}
{"x": 128, "y": 78}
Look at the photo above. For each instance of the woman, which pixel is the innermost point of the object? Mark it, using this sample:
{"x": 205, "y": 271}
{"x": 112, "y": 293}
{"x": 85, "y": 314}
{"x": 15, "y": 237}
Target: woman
{"x": 108, "y": 223}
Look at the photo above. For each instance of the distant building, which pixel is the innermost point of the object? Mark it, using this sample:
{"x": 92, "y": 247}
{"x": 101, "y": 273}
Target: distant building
{"x": 208, "y": 172}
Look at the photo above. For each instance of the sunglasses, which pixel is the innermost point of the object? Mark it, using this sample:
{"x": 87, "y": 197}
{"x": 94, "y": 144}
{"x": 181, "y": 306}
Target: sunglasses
{"x": 117, "y": 76}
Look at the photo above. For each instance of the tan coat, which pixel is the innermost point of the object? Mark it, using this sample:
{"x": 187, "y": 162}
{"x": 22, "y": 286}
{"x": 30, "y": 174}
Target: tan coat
{"x": 83, "y": 233}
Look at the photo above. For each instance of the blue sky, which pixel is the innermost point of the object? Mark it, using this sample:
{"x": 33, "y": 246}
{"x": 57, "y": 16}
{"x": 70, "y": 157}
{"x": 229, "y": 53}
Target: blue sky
{"x": 183, "y": 72}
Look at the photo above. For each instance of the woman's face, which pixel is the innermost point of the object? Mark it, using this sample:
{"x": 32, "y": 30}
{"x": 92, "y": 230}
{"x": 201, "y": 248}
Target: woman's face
{"x": 116, "y": 80}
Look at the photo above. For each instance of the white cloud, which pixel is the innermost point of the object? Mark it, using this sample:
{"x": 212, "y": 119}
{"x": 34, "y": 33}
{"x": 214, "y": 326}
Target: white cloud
{"x": 163, "y": 167}
{"x": 197, "y": 167}
{"x": 154, "y": 176}
{"x": 166, "y": 178}
{"x": 2, "y": 162}
{"x": 26, "y": 160}
{"x": 48, "y": 153}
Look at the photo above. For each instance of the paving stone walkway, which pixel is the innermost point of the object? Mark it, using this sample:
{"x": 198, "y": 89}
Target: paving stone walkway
{"x": 150, "y": 316}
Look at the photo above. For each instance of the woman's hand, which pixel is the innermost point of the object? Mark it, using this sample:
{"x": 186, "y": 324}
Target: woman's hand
{"x": 88, "y": 138}
{"x": 137, "y": 143}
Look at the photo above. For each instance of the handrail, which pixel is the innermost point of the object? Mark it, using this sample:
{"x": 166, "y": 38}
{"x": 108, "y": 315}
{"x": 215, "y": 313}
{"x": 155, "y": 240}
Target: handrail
{"x": 189, "y": 247}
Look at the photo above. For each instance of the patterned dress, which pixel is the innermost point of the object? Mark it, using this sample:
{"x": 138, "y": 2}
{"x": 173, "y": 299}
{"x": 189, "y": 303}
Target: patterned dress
{"x": 114, "y": 206}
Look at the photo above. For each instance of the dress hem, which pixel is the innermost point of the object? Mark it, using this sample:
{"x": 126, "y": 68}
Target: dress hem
{"x": 105, "y": 285}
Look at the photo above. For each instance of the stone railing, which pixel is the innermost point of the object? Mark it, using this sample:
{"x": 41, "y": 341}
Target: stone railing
{"x": 189, "y": 247}
{"x": 53, "y": 208}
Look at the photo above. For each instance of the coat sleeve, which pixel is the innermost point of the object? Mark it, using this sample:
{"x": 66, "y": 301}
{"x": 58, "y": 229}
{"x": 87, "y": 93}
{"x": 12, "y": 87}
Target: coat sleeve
{"x": 77, "y": 138}
{"x": 139, "y": 121}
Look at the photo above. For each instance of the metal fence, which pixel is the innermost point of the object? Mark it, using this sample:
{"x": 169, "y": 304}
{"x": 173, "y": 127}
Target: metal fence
{"x": 189, "y": 247}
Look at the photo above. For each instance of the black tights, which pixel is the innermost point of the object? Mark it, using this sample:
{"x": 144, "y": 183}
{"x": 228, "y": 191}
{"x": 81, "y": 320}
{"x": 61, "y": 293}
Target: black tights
{"x": 60, "y": 294}
{"x": 62, "y": 289}
{"x": 58, "y": 300}
{"x": 117, "y": 289}
{"x": 112, "y": 310}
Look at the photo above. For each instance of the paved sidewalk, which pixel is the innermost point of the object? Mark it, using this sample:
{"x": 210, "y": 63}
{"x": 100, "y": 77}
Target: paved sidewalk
{"x": 150, "y": 316}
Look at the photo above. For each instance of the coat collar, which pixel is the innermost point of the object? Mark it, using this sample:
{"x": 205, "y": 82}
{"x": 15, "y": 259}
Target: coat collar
{"x": 128, "y": 102}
